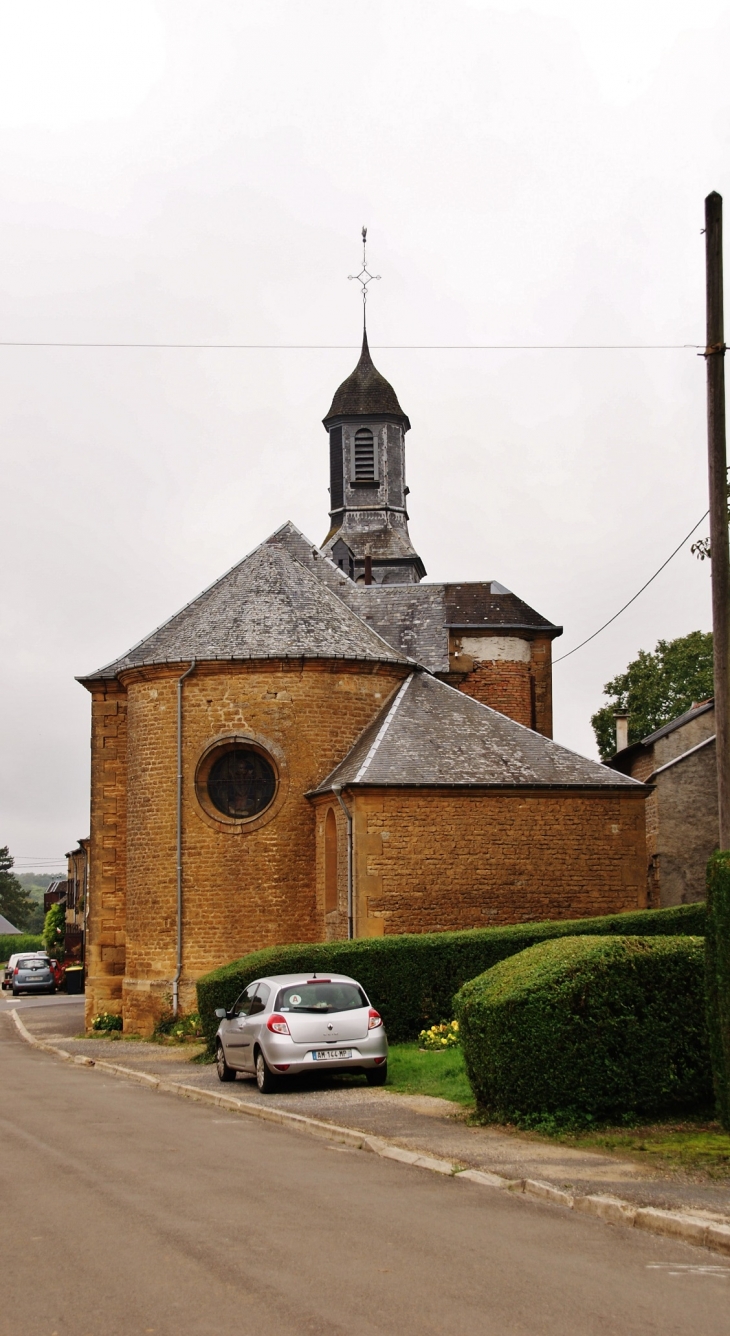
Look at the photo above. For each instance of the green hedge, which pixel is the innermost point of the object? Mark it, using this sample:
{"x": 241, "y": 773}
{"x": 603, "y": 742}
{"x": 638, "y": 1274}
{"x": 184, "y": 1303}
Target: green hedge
{"x": 589, "y": 1026}
{"x": 11, "y": 943}
{"x": 717, "y": 979}
{"x": 411, "y": 979}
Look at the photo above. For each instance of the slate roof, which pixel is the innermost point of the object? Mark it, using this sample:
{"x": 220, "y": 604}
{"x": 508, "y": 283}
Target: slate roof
{"x": 432, "y": 734}
{"x": 365, "y": 393}
{"x": 624, "y": 759}
{"x": 269, "y": 606}
{"x": 487, "y": 605}
{"x": 6, "y": 927}
{"x": 415, "y": 618}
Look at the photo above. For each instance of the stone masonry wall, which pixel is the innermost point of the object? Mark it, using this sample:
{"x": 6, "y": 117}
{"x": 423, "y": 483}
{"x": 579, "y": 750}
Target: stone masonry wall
{"x": 245, "y": 885}
{"x": 503, "y": 686}
{"x": 436, "y": 860}
{"x": 105, "y": 925}
{"x": 516, "y": 682}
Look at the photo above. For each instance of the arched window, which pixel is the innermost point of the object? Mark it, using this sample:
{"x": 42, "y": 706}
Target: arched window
{"x": 364, "y": 456}
{"x": 330, "y": 862}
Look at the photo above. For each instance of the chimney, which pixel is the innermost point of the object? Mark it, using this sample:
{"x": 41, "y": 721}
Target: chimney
{"x": 622, "y": 729}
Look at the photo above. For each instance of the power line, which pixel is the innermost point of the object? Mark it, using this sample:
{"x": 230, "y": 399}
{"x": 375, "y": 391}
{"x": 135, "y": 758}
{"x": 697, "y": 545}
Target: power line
{"x": 391, "y": 347}
{"x": 636, "y": 595}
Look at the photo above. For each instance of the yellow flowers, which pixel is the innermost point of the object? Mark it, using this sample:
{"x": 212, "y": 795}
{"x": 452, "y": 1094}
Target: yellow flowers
{"x": 439, "y": 1037}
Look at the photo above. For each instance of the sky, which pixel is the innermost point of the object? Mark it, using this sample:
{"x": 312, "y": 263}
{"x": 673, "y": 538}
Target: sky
{"x": 530, "y": 173}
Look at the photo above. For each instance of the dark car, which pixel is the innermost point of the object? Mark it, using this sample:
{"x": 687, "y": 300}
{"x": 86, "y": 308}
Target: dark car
{"x": 33, "y": 974}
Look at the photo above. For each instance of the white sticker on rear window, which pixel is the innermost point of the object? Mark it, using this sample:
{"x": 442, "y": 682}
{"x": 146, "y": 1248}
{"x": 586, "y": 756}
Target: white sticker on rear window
{"x": 295, "y": 999}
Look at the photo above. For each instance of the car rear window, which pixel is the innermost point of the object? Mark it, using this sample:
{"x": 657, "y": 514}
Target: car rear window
{"x": 33, "y": 964}
{"x": 321, "y": 997}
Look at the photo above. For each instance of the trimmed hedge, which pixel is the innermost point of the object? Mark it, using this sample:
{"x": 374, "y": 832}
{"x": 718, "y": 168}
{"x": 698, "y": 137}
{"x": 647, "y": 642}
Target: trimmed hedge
{"x": 717, "y": 979}
{"x": 589, "y": 1026}
{"x": 11, "y": 943}
{"x": 412, "y": 978}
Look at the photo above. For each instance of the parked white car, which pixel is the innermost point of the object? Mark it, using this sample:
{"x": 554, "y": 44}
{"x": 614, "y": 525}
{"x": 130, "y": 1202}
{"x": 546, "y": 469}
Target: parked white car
{"x": 287, "y": 1024}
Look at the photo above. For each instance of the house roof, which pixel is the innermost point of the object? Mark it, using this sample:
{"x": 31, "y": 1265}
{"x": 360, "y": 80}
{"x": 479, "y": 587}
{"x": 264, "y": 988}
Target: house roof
{"x": 269, "y": 606}
{"x": 7, "y": 928}
{"x": 622, "y": 760}
{"x": 365, "y": 393}
{"x": 431, "y": 734}
{"x": 693, "y": 713}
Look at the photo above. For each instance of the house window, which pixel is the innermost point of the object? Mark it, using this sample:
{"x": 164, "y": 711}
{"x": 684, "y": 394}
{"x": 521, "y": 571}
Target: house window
{"x": 364, "y": 456}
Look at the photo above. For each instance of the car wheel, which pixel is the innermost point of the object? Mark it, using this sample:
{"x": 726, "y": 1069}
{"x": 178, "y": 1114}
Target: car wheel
{"x": 376, "y": 1076}
{"x": 265, "y": 1079}
{"x": 225, "y": 1073}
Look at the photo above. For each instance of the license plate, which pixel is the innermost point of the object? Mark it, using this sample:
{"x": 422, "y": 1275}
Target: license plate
{"x": 326, "y": 1054}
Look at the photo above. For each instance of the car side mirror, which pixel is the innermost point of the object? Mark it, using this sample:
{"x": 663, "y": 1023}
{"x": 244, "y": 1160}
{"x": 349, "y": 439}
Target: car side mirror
{"x": 221, "y": 1014}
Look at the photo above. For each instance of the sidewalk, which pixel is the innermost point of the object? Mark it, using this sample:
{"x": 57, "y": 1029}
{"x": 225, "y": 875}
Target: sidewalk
{"x": 434, "y": 1127}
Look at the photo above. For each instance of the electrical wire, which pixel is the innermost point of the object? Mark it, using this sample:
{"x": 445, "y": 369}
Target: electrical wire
{"x": 636, "y": 595}
{"x": 392, "y": 347}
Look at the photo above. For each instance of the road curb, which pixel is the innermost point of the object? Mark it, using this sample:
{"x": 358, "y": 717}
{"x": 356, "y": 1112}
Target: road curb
{"x": 703, "y": 1230}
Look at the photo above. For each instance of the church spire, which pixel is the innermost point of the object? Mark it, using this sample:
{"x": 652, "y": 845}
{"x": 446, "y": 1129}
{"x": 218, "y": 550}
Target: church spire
{"x": 368, "y": 536}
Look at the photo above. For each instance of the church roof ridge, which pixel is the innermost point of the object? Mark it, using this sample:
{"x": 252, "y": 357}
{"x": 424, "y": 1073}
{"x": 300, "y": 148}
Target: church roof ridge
{"x": 440, "y": 737}
{"x": 365, "y": 393}
{"x": 269, "y": 605}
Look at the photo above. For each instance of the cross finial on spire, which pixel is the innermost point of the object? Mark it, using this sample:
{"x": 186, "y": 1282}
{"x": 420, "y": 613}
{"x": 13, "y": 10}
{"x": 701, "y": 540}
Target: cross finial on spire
{"x": 364, "y": 277}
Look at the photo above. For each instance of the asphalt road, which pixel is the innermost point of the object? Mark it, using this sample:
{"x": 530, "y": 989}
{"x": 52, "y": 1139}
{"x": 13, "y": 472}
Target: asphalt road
{"x": 129, "y": 1211}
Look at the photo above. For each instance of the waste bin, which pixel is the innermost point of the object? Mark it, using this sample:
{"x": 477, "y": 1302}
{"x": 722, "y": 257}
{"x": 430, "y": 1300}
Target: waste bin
{"x": 75, "y": 979}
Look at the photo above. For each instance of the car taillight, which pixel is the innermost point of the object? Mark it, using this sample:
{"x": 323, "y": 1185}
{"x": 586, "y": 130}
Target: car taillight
{"x": 16, "y": 971}
{"x": 277, "y": 1024}
{"x": 374, "y": 1019}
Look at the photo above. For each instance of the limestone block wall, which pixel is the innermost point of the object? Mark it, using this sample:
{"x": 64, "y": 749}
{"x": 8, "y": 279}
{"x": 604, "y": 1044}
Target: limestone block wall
{"x": 105, "y": 923}
{"x": 687, "y": 828}
{"x": 429, "y": 860}
{"x": 245, "y": 884}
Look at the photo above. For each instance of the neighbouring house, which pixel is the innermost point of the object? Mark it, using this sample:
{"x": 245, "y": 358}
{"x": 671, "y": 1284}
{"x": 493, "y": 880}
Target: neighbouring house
{"x": 323, "y": 744}
{"x": 682, "y": 824}
{"x": 6, "y": 927}
{"x": 76, "y": 899}
{"x": 55, "y": 891}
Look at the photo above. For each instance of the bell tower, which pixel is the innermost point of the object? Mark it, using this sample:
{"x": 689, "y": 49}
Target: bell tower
{"x": 368, "y": 536}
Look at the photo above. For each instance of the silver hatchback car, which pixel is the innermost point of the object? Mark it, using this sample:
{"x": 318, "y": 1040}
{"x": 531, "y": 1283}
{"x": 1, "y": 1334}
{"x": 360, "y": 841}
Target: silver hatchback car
{"x": 287, "y": 1024}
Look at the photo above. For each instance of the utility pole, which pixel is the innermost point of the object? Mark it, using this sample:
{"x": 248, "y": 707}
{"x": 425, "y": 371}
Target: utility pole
{"x": 717, "y": 457}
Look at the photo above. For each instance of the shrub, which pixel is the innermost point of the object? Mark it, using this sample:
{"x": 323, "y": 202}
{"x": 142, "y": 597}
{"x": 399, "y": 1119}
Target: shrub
{"x": 11, "y": 943}
{"x": 54, "y": 930}
{"x": 180, "y": 1030}
{"x": 440, "y": 1037}
{"x": 717, "y": 979}
{"x": 589, "y": 1027}
{"x": 107, "y": 1020}
{"x": 411, "y": 979}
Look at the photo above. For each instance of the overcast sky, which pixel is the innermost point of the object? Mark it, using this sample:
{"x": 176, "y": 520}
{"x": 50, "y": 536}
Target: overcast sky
{"x": 530, "y": 171}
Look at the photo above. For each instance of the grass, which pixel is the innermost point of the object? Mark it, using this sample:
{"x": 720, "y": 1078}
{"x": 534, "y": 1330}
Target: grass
{"x": 413, "y": 1072}
{"x": 694, "y": 1145}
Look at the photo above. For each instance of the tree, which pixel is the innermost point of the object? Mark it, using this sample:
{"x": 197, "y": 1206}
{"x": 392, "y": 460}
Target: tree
{"x": 15, "y": 902}
{"x": 54, "y": 930}
{"x": 656, "y": 688}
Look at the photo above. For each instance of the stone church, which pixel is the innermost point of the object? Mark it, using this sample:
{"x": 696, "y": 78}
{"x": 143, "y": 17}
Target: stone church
{"x": 324, "y": 744}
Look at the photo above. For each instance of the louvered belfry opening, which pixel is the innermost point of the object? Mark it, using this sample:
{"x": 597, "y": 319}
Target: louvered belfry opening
{"x": 364, "y": 455}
